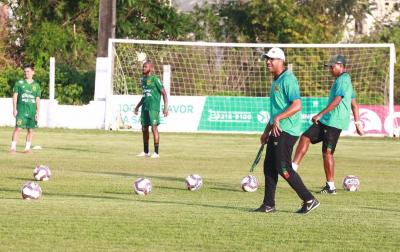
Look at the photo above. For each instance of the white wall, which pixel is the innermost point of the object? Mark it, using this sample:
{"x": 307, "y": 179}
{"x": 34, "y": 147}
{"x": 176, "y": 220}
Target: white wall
{"x": 89, "y": 116}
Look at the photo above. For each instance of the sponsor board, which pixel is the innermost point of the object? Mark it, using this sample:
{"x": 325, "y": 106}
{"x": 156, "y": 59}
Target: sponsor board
{"x": 183, "y": 113}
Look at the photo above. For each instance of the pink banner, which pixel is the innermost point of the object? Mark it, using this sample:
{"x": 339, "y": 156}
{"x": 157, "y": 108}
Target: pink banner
{"x": 375, "y": 120}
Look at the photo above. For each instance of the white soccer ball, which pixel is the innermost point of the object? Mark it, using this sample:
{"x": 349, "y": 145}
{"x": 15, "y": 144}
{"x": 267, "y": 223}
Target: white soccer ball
{"x": 351, "y": 183}
{"x": 42, "y": 173}
{"x": 193, "y": 182}
{"x": 249, "y": 183}
{"x": 31, "y": 190}
{"x": 142, "y": 186}
{"x": 141, "y": 57}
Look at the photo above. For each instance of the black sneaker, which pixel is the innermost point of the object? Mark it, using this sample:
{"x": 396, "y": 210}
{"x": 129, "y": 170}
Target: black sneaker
{"x": 307, "y": 207}
{"x": 265, "y": 209}
{"x": 327, "y": 190}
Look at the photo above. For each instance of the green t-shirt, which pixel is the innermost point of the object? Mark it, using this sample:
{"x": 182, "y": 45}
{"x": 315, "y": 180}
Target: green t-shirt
{"x": 27, "y": 93}
{"x": 339, "y": 117}
{"x": 152, "y": 87}
{"x": 284, "y": 90}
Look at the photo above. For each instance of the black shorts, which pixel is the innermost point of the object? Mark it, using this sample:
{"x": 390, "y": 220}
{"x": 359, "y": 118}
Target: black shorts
{"x": 321, "y": 132}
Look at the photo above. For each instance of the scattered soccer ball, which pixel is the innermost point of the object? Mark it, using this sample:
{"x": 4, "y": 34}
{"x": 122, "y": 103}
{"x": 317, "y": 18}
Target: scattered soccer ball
{"x": 249, "y": 183}
{"x": 351, "y": 183}
{"x": 41, "y": 173}
{"x": 141, "y": 57}
{"x": 31, "y": 190}
{"x": 193, "y": 182}
{"x": 142, "y": 186}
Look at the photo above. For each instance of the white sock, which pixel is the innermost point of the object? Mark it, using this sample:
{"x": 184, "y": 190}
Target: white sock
{"x": 295, "y": 166}
{"x": 27, "y": 145}
{"x": 331, "y": 184}
{"x": 13, "y": 145}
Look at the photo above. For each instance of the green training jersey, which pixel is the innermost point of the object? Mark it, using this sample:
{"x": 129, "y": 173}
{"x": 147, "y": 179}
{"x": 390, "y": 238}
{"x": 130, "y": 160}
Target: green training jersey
{"x": 339, "y": 117}
{"x": 27, "y": 94}
{"x": 152, "y": 87}
{"x": 284, "y": 90}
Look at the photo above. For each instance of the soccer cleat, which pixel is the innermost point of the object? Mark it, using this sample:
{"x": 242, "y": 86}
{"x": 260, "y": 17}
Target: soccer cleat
{"x": 143, "y": 154}
{"x": 327, "y": 190}
{"x": 155, "y": 155}
{"x": 265, "y": 209}
{"x": 307, "y": 207}
{"x": 28, "y": 151}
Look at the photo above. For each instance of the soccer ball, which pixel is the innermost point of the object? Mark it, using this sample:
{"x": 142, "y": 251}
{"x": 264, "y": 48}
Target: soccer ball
{"x": 193, "y": 182}
{"x": 41, "y": 173}
{"x": 249, "y": 183}
{"x": 142, "y": 186}
{"x": 141, "y": 57}
{"x": 351, "y": 183}
{"x": 31, "y": 190}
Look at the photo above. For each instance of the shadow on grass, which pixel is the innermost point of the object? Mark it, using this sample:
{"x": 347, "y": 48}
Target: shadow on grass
{"x": 24, "y": 179}
{"x": 126, "y": 174}
{"x": 77, "y": 149}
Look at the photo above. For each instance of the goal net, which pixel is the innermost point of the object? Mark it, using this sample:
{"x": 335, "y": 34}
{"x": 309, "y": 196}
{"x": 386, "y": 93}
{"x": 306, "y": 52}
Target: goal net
{"x": 225, "y": 86}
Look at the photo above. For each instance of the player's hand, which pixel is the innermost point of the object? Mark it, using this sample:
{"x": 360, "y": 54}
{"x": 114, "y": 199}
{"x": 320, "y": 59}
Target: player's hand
{"x": 15, "y": 113}
{"x": 136, "y": 111}
{"x": 165, "y": 112}
{"x": 316, "y": 118}
{"x": 37, "y": 117}
{"x": 359, "y": 129}
{"x": 264, "y": 138}
{"x": 276, "y": 130}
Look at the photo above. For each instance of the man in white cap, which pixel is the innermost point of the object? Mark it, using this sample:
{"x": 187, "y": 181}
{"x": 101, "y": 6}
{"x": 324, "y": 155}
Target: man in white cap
{"x": 281, "y": 134}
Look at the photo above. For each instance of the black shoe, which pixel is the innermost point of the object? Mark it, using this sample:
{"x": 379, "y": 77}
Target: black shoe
{"x": 307, "y": 207}
{"x": 327, "y": 190}
{"x": 265, "y": 209}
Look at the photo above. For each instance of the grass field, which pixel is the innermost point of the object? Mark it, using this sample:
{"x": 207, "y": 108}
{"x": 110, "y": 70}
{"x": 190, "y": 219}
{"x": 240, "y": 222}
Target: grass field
{"x": 89, "y": 204}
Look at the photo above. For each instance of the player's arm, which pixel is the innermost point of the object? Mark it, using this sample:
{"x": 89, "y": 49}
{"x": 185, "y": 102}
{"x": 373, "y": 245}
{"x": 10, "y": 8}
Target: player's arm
{"x": 291, "y": 110}
{"x": 265, "y": 135}
{"x": 15, "y": 99}
{"x": 331, "y": 106}
{"x": 139, "y": 105}
{"x": 165, "y": 99}
{"x": 356, "y": 114}
{"x": 37, "y": 108}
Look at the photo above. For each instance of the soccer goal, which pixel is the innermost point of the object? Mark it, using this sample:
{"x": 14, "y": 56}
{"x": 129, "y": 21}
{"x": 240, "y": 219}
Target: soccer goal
{"x": 224, "y": 87}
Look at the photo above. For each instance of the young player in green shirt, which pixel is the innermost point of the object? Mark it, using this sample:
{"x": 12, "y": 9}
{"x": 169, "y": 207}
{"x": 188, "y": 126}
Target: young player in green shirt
{"x": 329, "y": 122}
{"x": 281, "y": 134}
{"x": 150, "y": 103}
{"x": 26, "y": 108}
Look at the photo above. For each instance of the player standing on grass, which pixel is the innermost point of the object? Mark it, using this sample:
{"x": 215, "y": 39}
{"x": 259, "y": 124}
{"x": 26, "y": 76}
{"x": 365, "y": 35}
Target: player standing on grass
{"x": 26, "y": 108}
{"x": 150, "y": 102}
{"x": 281, "y": 134}
{"x": 328, "y": 123}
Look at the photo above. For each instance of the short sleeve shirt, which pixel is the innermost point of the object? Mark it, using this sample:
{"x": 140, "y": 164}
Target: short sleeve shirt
{"x": 27, "y": 94}
{"x": 284, "y": 90}
{"x": 151, "y": 86}
{"x": 339, "y": 117}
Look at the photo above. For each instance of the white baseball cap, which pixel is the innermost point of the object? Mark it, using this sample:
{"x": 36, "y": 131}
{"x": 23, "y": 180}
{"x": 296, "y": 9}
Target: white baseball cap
{"x": 274, "y": 53}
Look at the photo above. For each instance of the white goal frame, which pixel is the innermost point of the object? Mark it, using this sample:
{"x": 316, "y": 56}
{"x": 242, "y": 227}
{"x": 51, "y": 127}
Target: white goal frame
{"x": 111, "y": 42}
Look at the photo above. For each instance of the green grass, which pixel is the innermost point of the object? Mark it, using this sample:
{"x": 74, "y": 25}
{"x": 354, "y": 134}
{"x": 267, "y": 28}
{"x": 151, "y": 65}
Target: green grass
{"x": 89, "y": 204}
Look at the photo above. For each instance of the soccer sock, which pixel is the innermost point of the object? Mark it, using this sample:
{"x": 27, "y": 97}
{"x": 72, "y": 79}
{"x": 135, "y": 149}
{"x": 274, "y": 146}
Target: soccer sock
{"x": 146, "y": 147}
{"x": 156, "y": 148}
{"x": 13, "y": 145}
{"x": 295, "y": 166}
{"x": 27, "y": 145}
{"x": 331, "y": 184}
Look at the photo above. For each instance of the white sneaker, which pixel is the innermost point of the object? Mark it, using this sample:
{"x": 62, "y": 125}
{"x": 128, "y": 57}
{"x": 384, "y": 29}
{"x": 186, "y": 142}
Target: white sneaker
{"x": 155, "y": 155}
{"x": 143, "y": 154}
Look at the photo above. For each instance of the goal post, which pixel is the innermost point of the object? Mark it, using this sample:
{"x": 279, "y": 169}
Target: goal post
{"x": 224, "y": 87}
